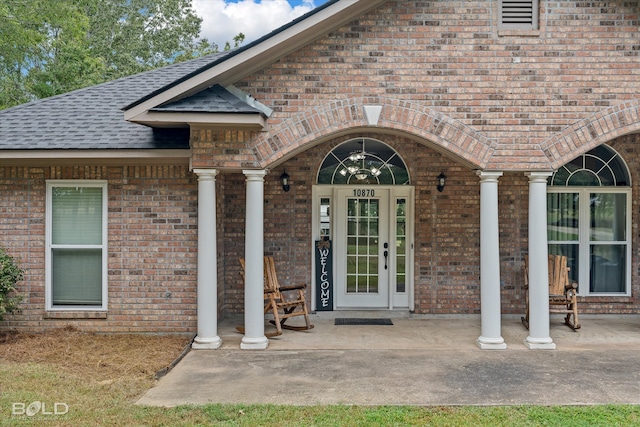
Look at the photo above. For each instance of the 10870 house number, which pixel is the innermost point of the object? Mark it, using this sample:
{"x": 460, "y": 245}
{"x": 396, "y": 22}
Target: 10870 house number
{"x": 364, "y": 192}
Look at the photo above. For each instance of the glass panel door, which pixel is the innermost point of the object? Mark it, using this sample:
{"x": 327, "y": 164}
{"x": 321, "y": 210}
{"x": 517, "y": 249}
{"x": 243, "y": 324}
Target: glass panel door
{"x": 363, "y": 224}
{"x": 362, "y": 248}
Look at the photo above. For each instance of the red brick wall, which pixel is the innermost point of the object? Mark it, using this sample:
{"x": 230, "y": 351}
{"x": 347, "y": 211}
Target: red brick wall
{"x": 152, "y": 246}
{"x": 447, "y": 230}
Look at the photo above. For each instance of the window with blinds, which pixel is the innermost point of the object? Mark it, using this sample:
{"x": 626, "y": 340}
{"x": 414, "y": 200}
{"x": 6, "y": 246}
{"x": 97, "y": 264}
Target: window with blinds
{"x": 519, "y": 15}
{"x": 76, "y": 245}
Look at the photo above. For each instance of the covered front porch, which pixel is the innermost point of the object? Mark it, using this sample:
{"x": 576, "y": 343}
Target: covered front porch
{"x": 428, "y": 332}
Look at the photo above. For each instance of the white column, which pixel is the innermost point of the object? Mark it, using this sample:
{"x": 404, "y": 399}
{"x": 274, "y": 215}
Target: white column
{"x": 254, "y": 338}
{"x": 538, "y": 264}
{"x": 207, "y": 337}
{"x": 490, "y": 318}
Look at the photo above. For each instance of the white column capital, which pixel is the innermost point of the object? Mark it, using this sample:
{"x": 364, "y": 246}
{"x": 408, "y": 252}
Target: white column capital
{"x": 255, "y": 174}
{"x": 540, "y": 176}
{"x": 489, "y": 176}
{"x": 206, "y": 173}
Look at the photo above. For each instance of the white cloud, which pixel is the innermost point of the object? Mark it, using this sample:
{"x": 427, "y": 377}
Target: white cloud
{"x": 223, "y": 20}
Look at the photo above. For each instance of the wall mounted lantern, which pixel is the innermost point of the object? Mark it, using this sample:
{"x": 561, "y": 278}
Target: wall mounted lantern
{"x": 441, "y": 181}
{"x": 285, "y": 181}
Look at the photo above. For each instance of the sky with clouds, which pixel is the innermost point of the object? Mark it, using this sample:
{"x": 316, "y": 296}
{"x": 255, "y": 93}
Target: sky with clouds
{"x": 222, "y": 20}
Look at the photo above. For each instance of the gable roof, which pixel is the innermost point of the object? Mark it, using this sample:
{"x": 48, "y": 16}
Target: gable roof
{"x": 254, "y": 56}
{"x": 92, "y": 118}
{"x": 215, "y": 99}
{"x": 214, "y": 106}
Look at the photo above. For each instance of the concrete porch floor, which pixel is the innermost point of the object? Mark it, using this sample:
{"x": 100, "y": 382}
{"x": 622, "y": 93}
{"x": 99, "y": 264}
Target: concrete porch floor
{"x": 417, "y": 361}
{"x": 436, "y": 333}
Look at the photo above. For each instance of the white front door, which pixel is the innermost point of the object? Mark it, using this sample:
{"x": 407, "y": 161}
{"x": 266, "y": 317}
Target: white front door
{"x": 371, "y": 228}
{"x": 362, "y": 251}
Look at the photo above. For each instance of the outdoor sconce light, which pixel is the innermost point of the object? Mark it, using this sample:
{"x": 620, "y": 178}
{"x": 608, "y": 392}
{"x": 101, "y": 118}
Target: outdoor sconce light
{"x": 441, "y": 181}
{"x": 285, "y": 181}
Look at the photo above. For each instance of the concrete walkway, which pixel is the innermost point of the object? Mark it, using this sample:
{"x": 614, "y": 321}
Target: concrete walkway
{"x": 417, "y": 361}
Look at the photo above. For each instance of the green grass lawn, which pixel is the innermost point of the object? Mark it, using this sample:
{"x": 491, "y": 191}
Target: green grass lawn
{"x": 111, "y": 403}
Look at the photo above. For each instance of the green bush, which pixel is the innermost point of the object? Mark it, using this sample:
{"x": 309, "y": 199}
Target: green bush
{"x": 10, "y": 274}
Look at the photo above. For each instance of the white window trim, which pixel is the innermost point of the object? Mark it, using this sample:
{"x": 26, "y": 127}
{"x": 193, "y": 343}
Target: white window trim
{"x": 48, "y": 245}
{"x": 584, "y": 238}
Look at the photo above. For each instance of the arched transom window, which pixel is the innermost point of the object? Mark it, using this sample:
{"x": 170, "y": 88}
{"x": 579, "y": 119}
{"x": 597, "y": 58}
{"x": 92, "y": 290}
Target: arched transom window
{"x": 363, "y": 161}
{"x": 600, "y": 167}
{"x": 589, "y": 221}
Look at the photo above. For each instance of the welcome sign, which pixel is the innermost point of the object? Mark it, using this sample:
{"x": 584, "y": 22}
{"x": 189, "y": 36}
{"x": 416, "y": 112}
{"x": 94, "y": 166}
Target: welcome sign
{"x": 324, "y": 276}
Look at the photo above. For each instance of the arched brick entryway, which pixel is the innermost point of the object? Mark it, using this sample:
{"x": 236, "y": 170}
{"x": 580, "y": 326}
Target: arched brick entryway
{"x": 592, "y": 131}
{"x": 325, "y": 121}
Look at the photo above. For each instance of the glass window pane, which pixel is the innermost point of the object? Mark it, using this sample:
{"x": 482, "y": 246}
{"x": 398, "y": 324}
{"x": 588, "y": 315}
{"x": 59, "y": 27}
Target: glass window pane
{"x": 352, "y": 227}
{"x": 563, "y": 217}
{"x": 401, "y": 246}
{"x": 363, "y": 161}
{"x": 325, "y": 218}
{"x": 76, "y": 214}
{"x": 362, "y": 284}
{"x": 351, "y": 284}
{"x": 363, "y": 245}
{"x": 77, "y": 276}
{"x": 592, "y": 162}
{"x": 608, "y": 217}
{"x": 352, "y": 264}
{"x": 584, "y": 178}
{"x": 608, "y": 269}
{"x": 561, "y": 176}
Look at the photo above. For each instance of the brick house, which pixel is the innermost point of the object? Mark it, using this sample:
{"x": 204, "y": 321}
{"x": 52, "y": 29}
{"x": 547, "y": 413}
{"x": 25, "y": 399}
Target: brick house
{"x": 435, "y": 144}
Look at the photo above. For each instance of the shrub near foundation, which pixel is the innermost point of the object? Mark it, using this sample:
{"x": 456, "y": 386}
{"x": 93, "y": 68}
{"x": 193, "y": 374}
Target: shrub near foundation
{"x": 10, "y": 274}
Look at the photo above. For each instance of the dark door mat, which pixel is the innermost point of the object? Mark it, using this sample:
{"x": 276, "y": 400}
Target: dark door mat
{"x": 364, "y": 321}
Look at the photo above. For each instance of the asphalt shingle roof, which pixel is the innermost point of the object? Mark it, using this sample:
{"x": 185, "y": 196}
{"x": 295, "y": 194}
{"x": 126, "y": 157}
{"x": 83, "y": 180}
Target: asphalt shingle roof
{"x": 92, "y": 118}
{"x": 215, "y": 99}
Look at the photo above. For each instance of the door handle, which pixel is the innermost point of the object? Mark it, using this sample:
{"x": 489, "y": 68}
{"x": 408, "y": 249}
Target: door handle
{"x": 386, "y": 255}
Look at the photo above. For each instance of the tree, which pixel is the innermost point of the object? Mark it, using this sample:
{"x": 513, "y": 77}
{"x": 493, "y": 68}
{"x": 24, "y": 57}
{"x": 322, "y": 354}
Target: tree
{"x": 10, "y": 274}
{"x": 37, "y": 38}
{"x": 51, "y": 47}
{"x": 136, "y": 35}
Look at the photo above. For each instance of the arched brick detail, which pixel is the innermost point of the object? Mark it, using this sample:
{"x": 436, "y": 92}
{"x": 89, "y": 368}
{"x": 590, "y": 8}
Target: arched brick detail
{"x": 345, "y": 116}
{"x": 592, "y": 131}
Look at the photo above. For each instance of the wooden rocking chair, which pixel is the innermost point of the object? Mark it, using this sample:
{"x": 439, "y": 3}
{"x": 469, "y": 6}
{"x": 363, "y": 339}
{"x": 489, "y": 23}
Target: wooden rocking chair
{"x": 276, "y": 302}
{"x": 563, "y": 296}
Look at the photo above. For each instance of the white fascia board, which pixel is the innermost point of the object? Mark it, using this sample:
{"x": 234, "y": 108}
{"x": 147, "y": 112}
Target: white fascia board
{"x": 234, "y": 121}
{"x": 262, "y": 54}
